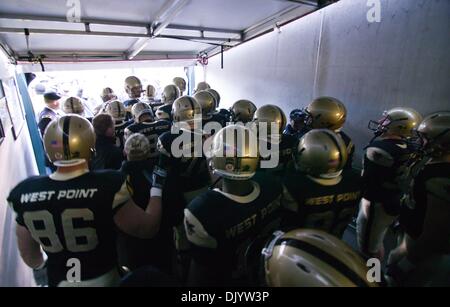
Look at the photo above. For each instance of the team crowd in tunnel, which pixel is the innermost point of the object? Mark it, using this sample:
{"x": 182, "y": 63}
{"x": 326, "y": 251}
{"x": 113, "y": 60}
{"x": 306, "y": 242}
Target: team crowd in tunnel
{"x": 180, "y": 191}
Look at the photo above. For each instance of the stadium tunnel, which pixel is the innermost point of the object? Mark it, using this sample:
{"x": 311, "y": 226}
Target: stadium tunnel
{"x": 282, "y": 52}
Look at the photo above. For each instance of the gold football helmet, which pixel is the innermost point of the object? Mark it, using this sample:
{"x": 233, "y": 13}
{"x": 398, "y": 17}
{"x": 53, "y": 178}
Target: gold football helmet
{"x": 434, "y": 131}
{"x": 216, "y": 96}
{"x": 108, "y": 94}
{"x": 133, "y": 87}
{"x": 170, "y": 93}
{"x": 202, "y": 86}
{"x": 397, "y": 121}
{"x": 140, "y": 109}
{"x": 327, "y": 113}
{"x": 270, "y": 114}
{"x": 73, "y": 105}
{"x": 150, "y": 91}
{"x": 186, "y": 109}
{"x": 180, "y": 83}
{"x": 69, "y": 140}
{"x": 207, "y": 102}
{"x": 243, "y": 111}
{"x": 321, "y": 153}
{"x": 234, "y": 153}
{"x": 312, "y": 258}
{"x": 117, "y": 110}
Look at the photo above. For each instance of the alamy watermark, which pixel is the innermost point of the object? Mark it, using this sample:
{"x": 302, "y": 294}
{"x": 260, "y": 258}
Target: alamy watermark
{"x": 374, "y": 272}
{"x": 74, "y": 272}
{"x": 374, "y": 12}
{"x": 74, "y": 12}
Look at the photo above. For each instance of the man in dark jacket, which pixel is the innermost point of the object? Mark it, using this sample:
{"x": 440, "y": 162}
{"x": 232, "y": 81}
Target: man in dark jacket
{"x": 108, "y": 155}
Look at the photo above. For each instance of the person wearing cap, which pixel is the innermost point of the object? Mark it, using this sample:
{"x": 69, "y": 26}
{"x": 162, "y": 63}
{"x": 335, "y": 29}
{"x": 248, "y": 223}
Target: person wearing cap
{"x": 50, "y": 111}
{"x": 297, "y": 126}
{"x": 107, "y": 154}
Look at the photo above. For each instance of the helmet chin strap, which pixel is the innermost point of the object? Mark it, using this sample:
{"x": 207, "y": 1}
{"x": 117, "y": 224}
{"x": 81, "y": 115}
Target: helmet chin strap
{"x": 64, "y": 164}
{"x": 330, "y": 175}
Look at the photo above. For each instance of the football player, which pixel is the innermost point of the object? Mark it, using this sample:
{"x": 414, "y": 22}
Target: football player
{"x": 106, "y": 96}
{"x": 222, "y": 223}
{"x": 72, "y": 213}
{"x": 275, "y": 148}
{"x": 133, "y": 87}
{"x": 145, "y": 124}
{"x": 119, "y": 113}
{"x": 330, "y": 113}
{"x": 312, "y": 258}
{"x": 299, "y": 123}
{"x": 242, "y": 111}
{"x": 208, "y": 102}
{"x": 168, "y": 96}
{"x": 74, "y": 105}
{"x": 180, "y": 83}
{"x": 150, "y": 93}
{"x": 201, "y": 86}
{"x": 319, "y": 193}
{"x": 426, "y": 218}
{"x": 183, "y": 162}
{"x": 385, "y": 167}
{"x": 224, "y": 112}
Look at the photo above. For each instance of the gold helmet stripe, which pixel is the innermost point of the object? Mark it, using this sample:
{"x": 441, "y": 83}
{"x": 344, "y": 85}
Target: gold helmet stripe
{"x": 66, "y": 147}
{"x": 323, "y": 256}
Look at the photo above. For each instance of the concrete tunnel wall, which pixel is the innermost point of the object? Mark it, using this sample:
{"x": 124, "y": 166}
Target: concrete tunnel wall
{"x": 401, "y": 61}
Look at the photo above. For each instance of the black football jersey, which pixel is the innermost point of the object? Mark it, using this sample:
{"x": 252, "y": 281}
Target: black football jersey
{"x": 226, "y": 114}
{"x": 218, "y": 118}
{"x": 72, "y": 219}
{"x": 188, "y": 166}
{"x": 285, "y": 151}
{"x": 434, "y": 180}
{"x": 167, "y": 108}
{"x": 151, "y": 130}
{"x": 120, "y": 127}
{"x": 221, "y": 227}
{"x": 385, "y": 170}
{"x": 326, "y": 207}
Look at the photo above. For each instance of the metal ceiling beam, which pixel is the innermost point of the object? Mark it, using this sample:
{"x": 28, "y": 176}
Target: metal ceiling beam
{"x": 165, "y": 16}
{"x": 119, "y": 23}
{"x": 117, "y": 34}
{"x": 201, "y": 38}
{"x": 304, "y": 2}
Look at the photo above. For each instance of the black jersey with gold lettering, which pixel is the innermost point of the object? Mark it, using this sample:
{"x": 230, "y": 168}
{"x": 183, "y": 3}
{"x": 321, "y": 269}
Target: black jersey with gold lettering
{"x": 221, "y": 226}
{"x": 310, "y": 203}
{"x": 72, "y": 218}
